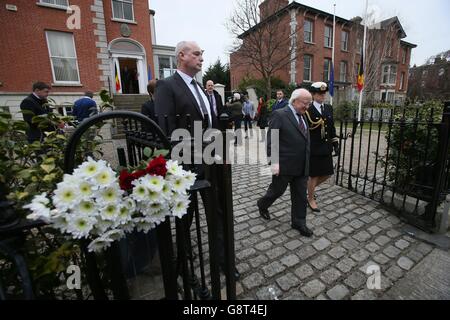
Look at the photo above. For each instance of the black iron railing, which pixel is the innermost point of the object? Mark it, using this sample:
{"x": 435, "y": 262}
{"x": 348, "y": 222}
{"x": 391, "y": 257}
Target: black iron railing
{"x": 401, "y": 161}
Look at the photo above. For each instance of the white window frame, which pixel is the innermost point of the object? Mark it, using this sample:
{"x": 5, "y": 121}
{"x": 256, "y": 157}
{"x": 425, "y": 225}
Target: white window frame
{"x": 390, "y": 75}
{"x": 344, "y": 40}
{"x": 310, "y": 67}
{"x": 326, "y": 71}
{"x": 359, "y": 45}
{"x": 114, "y": 18}
{"x": 172, "y": 62}
{"x": 402, "y": 81}
{"x": 328, "y": 39}
{"x": 311, "y": 32}
{"x": 42, "y": 3}
{"x": 343, "y": 76}
{"x": 51, "y": 60}
{"x": 387, "y": 93}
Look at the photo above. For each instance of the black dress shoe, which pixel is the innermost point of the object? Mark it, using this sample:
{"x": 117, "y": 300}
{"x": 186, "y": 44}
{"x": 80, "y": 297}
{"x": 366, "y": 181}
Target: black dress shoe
{"x": 264, "y": 213}
{"x": 313, "y": 209}
{"x": 304, "y": 231}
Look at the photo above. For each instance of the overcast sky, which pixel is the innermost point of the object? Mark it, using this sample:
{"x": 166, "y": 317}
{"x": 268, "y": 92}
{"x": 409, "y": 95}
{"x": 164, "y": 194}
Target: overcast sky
{"x": 426, "y": 23}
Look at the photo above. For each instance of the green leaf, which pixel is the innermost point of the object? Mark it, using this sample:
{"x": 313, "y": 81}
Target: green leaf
{"x": 148, "y": 152}
{"x": 47, "y": 168}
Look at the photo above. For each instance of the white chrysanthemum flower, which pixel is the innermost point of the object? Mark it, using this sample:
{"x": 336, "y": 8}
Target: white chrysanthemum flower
{"x": 105, "y": 177}
{"x": 124, "y": 215}
{"x": 154, "y": 196}
{"x": 39, "y": 209}
{"x": 61, "y": 223}
{"x": 158, "y": 216}
{"x": 166, "y": 191}
{"x": 130, "y": 204}
{"x": 144, "y": 225}
{"x": 102, "y": 226}
{"x": 66, "y": 197}
{"x": 99, "y": 245}
{"x": 128, "y": 227}
{"x": 87, "y": 208}
{"x": 110, "y": 212}
{"x": 113, "y": 235}
{"x": 90, "y": 168}
{"x": 173, "y": 168}
{"x": 190, "y": 178}
{"x": 140, "y": 192}
{"x": 85, "y": 189}
{"x": 154, "y": 183}
{"x": 178, "y": 184}
{"x": 180, "y": 206}
{"x": 110, "y": 195}
{"x": 80, "y": 226}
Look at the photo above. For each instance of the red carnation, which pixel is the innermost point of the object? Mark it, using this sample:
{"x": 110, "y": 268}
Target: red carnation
{"x": 157, "y": 167}
{"x": 139, "y": 174}
{"x": 125, "y": 180}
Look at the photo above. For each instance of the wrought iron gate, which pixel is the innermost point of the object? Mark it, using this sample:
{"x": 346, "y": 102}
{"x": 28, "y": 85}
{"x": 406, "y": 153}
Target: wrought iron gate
{"x": 401, "y": 160}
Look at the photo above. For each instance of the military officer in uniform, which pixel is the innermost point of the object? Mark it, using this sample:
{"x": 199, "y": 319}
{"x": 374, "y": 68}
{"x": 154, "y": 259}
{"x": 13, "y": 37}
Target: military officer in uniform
{"x": 323, "y": 141}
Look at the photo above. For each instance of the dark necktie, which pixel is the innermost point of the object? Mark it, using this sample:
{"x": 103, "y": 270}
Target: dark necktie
{"x": 322, "y": 109}
{"x": 301, "y": 125}
{"x": 211, "y": 102}
{"x": 202, "y": 103}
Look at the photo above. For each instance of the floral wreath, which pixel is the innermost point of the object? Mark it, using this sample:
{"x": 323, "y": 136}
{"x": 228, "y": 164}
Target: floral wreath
{"x": 94, "y": 203}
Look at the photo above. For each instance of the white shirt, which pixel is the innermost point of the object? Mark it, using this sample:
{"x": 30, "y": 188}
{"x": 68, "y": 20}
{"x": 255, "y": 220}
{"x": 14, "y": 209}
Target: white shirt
{"x": 317, "y": 105}
{"x": 297, "y": 117}
{"x": 188, "y": 79}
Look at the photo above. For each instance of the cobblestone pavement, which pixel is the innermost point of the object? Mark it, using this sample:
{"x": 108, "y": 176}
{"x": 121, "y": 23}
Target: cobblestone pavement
{"x": 350, "y": 233}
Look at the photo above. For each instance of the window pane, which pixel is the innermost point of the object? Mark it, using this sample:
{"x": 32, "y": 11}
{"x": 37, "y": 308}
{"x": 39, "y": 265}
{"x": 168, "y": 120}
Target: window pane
{"x": 128, "y": 11}
{"x": 117, "y": 9}
{"x": 174, "y": 62}
{"x": 326, "y": 70}
{"x": 344, "y": 40}
{"x": 164, "y": 66}
{"x": 307, "y": 68}
{"x": 62, "y": 3}
{"x": 61, "y": 44}
{"x": 65, "y": 69}
{"x": 308, "y": 31}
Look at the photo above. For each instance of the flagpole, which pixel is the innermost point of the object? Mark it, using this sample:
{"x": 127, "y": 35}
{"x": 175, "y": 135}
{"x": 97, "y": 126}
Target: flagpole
{"x": 334, "y": 41}
{"x": 364, "y": 56}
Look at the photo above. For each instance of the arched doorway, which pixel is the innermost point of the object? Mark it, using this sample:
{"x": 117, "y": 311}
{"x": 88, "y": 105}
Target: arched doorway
{"x": 128, "y": 66}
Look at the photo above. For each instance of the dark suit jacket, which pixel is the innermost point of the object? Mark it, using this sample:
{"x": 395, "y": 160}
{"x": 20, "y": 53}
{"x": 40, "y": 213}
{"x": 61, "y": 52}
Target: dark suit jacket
{"x": 293, "y": 145}
{"x": 172, "y": 98}
{"x": 219, "y": 103}
{"x": 35, "y": 105}
{"x": 148, "y": 109}
{"x": 280, "y": 105}
{"x": 322, "y": 146}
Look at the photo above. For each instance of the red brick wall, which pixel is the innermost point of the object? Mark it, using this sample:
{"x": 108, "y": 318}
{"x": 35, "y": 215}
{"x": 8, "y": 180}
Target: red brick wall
{"x": 140, "y": 32}
{"x": 25, "y": 56}
{"x": 269, "y": 7}
{"x": 24, "y": 52}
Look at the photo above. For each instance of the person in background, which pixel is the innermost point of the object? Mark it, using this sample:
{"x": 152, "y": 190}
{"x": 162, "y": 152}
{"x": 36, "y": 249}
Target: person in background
{"x": 148, "y": 108}
{"x": 262, "y": 118}
{"x": 323, "y": 141}
{"x": 248, "y": 110}
{"x": 85, "y": 107}
{"x": 214, "y": 98}
{"x": 281, "y": 101}
{"x": 36, "y": 102}
{"x": 235, "y": 108}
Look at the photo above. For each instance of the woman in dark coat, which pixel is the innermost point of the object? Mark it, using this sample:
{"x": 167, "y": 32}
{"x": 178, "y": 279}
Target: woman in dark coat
{"x": 262, "y": 117}
{"x": 323, "y": 141}
{"x": 235, "y": 108}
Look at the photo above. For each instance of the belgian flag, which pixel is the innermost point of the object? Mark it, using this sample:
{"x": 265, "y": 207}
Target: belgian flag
{"x": 118, "y": 87}
{"x": 360, "y": 80}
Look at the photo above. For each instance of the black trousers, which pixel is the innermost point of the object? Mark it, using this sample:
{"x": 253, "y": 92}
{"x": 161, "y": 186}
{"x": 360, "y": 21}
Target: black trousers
{"x": 298, "y": 186}
{"x": 248, "y": 123}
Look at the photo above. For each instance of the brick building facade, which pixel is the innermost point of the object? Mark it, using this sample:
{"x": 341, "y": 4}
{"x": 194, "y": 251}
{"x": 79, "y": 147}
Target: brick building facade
{"x": 312, "y": 55}
{"x": 75, "y": 51}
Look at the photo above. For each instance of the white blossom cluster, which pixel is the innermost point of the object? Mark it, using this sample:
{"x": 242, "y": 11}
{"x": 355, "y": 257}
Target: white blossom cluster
{"x": 90, "y": 203}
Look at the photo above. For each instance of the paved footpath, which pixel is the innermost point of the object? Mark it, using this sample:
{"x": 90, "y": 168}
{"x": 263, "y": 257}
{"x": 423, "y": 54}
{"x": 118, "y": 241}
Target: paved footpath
{"x": 350, "y": 233}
